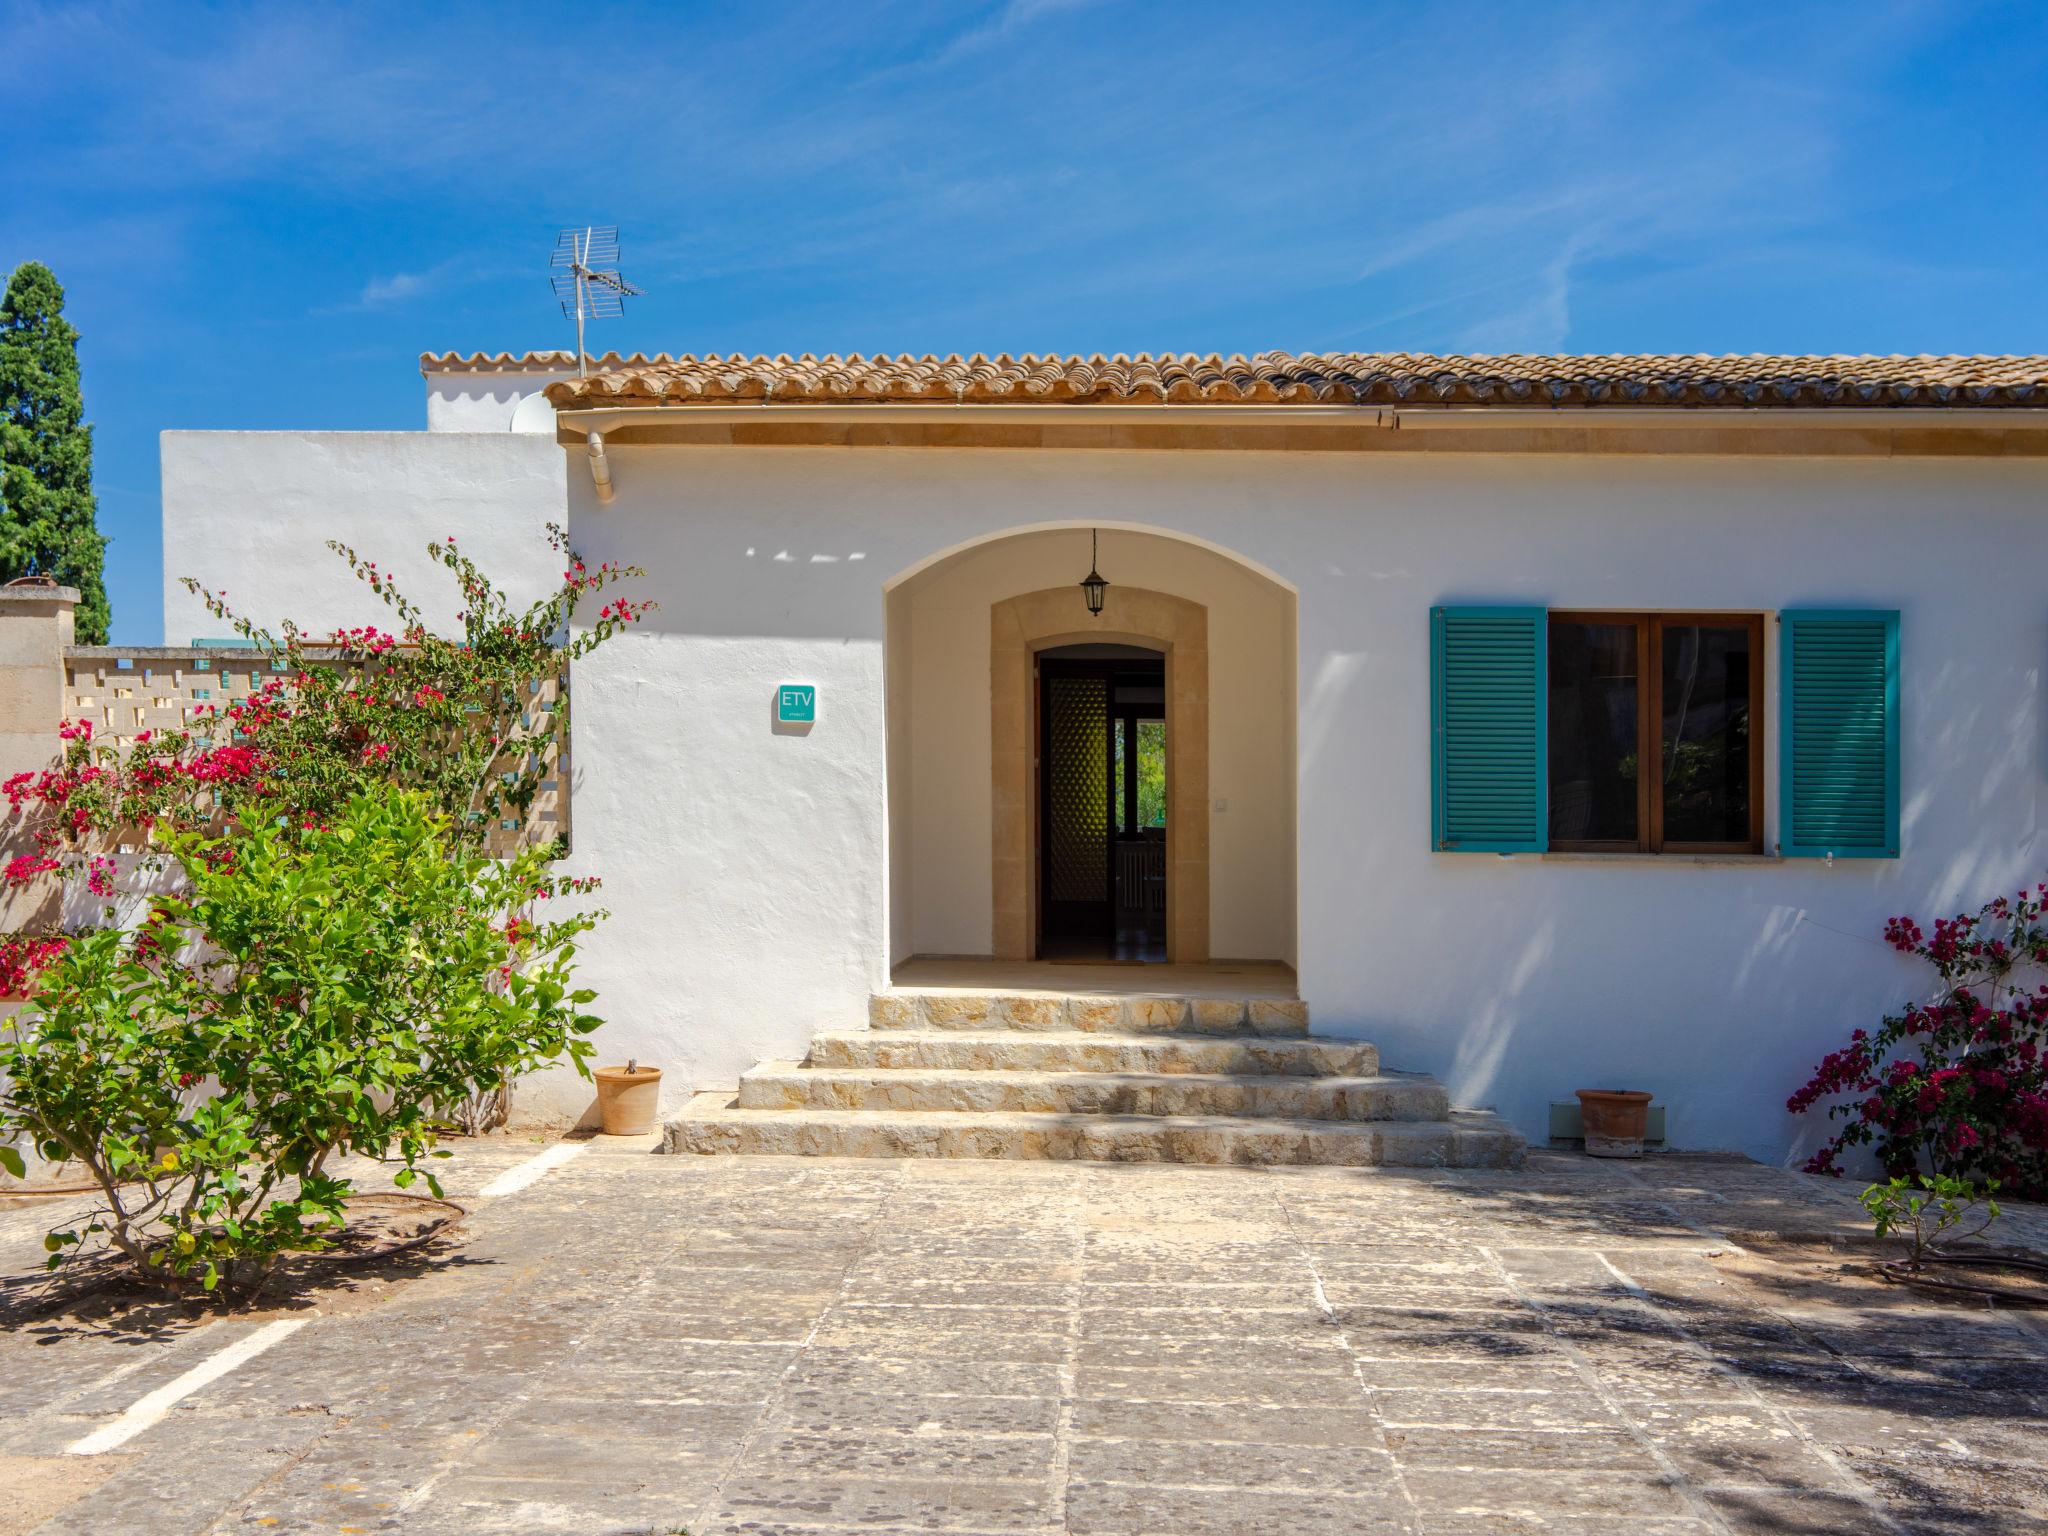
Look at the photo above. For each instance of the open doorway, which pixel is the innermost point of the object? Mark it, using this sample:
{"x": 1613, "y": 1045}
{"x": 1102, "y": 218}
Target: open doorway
{"x": 1102, "y": 798}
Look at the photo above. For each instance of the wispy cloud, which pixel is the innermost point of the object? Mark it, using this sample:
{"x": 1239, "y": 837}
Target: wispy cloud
{"x": 1542, "y": 320}
{"x": 1009, "y": 19}
{"x": 394, "y": 291}
{"x": 1485, "y": 223}
{"x": 1012, "y": 18}
{"x": 388, "y": 290}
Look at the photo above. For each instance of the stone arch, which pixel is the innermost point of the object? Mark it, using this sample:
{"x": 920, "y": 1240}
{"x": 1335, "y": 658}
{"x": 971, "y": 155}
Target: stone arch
{"x": 944, "y": 778}
{"x": 1019, "y": 628}
{"x": 953, "y": 551}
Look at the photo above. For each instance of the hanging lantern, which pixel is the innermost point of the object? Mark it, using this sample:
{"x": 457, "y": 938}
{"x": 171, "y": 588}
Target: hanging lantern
{"x": 1093, "y": 587}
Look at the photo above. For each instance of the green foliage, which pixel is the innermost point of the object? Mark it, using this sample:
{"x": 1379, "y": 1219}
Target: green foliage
{"x": 459, "y": 719}
{"x": 47, "y": 512}
{"x": 1925, "y": 1210}
{"x": 313, "y": 991}
{"x": 1151, "y": 773}
{"x": 1149, "y": 745}
{"x": 469, "y": 722}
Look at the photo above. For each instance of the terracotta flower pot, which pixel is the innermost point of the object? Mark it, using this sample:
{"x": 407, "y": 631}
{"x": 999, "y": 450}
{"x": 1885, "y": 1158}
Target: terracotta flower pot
{"x": 1614, "y": 1121}
{"x": 627, "y": 1098}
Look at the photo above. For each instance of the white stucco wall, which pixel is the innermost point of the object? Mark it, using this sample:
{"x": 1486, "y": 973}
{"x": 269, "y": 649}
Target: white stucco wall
{"x": 944, "y": 613}
{"x": 251, "y": 512}
{"x": 899, "y": 687}
{"x": 476, "y": 400}
{"x": 746, "y": 865}
{"x": 743, "y": 862}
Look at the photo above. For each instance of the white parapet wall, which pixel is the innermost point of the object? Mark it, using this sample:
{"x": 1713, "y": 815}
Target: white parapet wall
{"x": 482, "y": 397}
{"x": 251, "y": 513}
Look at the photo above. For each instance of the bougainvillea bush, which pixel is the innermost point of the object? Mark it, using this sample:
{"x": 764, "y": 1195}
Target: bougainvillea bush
{"x": 1956, "y": 1085}
{"x": 463, "y": 719}
{"x": 457, "y": 718}
{"x": 313, "y": 991}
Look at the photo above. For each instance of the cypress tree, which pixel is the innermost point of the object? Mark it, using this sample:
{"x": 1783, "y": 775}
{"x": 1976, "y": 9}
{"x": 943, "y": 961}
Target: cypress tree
{"x": 47, "y": 513}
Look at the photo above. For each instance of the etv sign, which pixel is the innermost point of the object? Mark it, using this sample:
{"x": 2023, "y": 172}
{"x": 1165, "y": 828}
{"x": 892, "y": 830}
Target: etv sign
{"x": 796, "y": 704}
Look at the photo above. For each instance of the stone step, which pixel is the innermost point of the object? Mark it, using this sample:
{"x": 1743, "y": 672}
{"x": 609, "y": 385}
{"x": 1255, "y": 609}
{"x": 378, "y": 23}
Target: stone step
{"x": 1074, "y": 1051}
{"x": 785, "y": 1085}
{"x": 929, "y": 1009}
{"x": 713, "y": 1124}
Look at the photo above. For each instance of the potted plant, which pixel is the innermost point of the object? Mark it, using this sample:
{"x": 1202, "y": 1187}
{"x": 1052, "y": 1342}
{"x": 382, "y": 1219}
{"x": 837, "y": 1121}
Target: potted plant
{"x": 1614, "y": 1121}
{"x": 627, "y": 1098}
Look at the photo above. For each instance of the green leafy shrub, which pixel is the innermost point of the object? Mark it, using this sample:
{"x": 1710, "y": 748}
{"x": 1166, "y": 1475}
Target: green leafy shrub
{"x": 314, "y": 991}
{"x": 1924, "y": 1212}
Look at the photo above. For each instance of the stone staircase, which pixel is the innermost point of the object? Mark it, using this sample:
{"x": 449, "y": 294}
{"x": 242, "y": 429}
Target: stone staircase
{"x": 941, "y": 1073}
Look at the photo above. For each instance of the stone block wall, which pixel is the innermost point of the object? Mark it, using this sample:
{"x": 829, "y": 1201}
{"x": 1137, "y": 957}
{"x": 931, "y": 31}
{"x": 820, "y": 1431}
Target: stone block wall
{"x": 35, "y": 632}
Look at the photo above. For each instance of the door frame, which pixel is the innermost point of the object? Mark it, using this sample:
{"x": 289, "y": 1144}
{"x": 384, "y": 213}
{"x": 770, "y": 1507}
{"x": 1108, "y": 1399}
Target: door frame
{"x": 1019, "y": 628}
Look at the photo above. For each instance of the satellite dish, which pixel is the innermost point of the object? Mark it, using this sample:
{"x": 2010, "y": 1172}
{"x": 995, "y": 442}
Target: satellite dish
{"x": 534, "y": 413}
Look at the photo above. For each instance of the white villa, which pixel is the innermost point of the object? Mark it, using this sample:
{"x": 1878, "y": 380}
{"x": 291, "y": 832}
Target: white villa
{"x": 1546, "y": 722}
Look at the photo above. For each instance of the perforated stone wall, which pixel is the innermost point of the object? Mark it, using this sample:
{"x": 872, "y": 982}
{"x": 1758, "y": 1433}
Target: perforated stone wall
{"x": 125, "y": 690}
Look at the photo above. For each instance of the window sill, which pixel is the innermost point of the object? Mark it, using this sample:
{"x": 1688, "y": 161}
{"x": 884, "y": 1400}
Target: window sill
{"x": 1741, "y": 860}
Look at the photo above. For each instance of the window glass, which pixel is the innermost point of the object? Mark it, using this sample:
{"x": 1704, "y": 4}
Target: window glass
{"x": 1151, "y": 773}
{"x": 1593, "y": 732}
{"x": 1705, "y": 733}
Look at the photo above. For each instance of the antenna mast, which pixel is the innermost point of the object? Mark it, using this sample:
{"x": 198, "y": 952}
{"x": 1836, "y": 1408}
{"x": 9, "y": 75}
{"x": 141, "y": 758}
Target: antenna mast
{"x": 585, "y": 275}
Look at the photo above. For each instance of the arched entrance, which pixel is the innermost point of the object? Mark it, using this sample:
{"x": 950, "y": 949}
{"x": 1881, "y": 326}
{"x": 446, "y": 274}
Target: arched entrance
{"x": 967, "y": 633}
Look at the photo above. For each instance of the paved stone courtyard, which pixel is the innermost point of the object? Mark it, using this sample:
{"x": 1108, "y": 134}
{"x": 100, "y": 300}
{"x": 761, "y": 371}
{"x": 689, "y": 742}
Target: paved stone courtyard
{"x": 655, "y": 1344}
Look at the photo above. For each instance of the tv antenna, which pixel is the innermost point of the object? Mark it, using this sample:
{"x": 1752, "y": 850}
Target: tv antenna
{"x": 585, "y": 274}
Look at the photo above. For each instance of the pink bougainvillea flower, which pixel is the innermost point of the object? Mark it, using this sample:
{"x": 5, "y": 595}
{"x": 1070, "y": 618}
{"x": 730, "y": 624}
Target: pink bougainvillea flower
{"x": 24, "y": 867}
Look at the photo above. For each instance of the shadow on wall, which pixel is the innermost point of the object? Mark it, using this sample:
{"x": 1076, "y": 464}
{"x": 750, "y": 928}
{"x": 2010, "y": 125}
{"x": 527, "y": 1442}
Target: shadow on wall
{"x": 715, "y": 576}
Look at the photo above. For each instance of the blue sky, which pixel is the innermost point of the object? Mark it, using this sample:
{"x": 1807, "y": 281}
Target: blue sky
{"x": 264, "y": 214}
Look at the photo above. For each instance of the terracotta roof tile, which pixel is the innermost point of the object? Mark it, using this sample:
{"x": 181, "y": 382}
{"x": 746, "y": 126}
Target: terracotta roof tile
{"x": 1313, "y": 378}
{"x": 525, "y": 362}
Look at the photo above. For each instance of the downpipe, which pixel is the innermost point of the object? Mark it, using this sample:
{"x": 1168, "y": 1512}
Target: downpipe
{"x": 600, "y": 467}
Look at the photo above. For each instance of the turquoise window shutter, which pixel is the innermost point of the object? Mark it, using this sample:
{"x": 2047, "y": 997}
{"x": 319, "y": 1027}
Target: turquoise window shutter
{"x": 1489, "y": 729}
{"x": 1838, "y": 733}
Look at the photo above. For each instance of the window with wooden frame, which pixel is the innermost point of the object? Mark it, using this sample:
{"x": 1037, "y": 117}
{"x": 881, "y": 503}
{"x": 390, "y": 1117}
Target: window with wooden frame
{"x": 1680, "y": 692}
